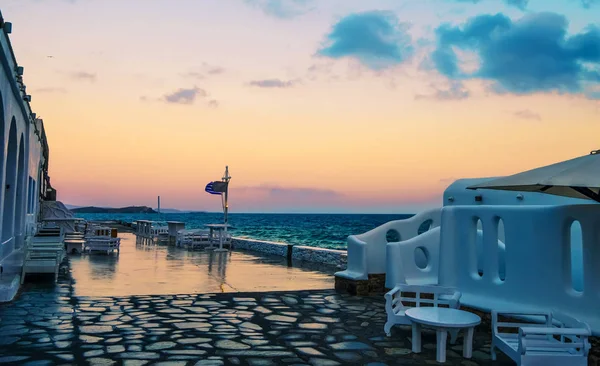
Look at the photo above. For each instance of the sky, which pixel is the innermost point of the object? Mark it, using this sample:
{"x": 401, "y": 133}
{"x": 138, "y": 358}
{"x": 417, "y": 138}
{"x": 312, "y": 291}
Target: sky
{"x": 315, "y": 105}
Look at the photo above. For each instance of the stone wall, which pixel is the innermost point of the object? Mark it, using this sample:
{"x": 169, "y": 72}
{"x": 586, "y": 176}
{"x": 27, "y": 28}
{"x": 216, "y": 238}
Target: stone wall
{"x": 268, "y": 247}
{"x": 374, "y": 285}
{"x": 336, "y": 258}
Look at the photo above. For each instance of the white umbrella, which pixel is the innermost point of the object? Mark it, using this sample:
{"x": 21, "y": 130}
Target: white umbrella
{"x": 577, "y": 178}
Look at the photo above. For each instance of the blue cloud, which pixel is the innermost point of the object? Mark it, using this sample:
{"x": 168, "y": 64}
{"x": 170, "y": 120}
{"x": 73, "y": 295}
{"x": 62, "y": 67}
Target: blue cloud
{"x": 533, "y": 54}
{"x": 521, "y": 4}
{"x": 588, "y": 3}
{"x": 376, "y": 38}
{"x": 285, "y": 9}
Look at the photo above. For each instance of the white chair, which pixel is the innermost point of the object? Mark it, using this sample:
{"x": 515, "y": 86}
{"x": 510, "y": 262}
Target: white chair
{"x": 403, "y": 297}
{"x": 558, "y": 340}
{"x": 41, "y": 262}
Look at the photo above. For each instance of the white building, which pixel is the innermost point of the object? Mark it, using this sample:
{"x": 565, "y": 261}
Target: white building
{"x": 23, "y": 166}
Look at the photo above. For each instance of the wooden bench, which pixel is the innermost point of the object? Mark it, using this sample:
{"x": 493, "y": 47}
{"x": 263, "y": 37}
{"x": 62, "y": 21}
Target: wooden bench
{"x": 554, "y": 340}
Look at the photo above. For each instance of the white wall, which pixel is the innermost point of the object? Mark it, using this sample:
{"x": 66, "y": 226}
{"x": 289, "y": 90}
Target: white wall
{"x": 539, "y": 274}
{"x": 13, "y": 107}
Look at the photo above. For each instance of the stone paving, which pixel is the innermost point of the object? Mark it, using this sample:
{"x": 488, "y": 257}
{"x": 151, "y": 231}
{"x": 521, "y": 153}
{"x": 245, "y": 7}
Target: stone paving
{"x": 49, "y": 325}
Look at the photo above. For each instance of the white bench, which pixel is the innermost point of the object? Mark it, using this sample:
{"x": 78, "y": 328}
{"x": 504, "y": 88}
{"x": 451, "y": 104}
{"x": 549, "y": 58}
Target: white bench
{"x": 397, "y": 302}
{"x": 558, "y": 340}
{"x": 102, "y": 244}
{"x": 41, "y": 262}
{"x": 74, "y": 245}
{"x": 52, "y": 244}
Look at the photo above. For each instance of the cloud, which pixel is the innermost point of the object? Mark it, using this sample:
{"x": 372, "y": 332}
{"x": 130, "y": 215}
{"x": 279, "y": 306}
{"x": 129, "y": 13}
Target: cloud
{"x": 533, "y": 54}
{"x": 297, "y": 194}
{"x": 455, "y": 91}
{"x": 527, "y": 114}
{"x": 206, "y": 69}
{"x": 212, "y": 70}
{"x": 185, "y": 96}
{"x": 50, "y": 90}
{"x": 376, "y": 38}
{"x": 84, "y": 76}
{"x": 520, "y": 4}
{"x": 273, "y": 83}
{"x": 213, "y": 103}
{"x": 589, "y": 3}
{"x": 283, "y": 9}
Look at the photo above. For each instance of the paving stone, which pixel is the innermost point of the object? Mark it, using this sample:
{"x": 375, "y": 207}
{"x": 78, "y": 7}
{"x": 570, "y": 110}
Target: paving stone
{"x": 309, "y": 351}
{"x": 139, "y": 355}
{"x": 209, "y": 363}
{"x": 281, "y": 318}
{"x": 348, "y": 356}
{"x": 228, "y": 344}
{"x": 38, "y": 363}
{"x": 312, "y": 326}
{"x": 318, "y": 327}
{"x": 94, "y": 329}
{"x": 11, "y": 359}
{"x": 99, "y": 361}
{"x": 349, "y": 346}
{"x": 115, "y": 348}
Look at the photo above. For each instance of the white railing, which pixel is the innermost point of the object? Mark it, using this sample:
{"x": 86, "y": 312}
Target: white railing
{"x": 367, "y": 252}
{"x": 538, "y": 259}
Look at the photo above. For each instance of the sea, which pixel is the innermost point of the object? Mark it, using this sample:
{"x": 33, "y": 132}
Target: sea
{"x": 315, "y": 230}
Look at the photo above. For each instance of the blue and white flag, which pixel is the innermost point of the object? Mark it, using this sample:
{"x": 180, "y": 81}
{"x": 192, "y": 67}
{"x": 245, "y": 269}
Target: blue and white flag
{"x": 216, "y": 187}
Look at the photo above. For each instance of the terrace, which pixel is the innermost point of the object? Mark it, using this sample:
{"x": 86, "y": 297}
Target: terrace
{"x": 154, "y": 303}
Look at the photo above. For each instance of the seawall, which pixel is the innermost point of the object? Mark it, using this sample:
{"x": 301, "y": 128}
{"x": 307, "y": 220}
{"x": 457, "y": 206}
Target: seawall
{"x": 332, "y": 257}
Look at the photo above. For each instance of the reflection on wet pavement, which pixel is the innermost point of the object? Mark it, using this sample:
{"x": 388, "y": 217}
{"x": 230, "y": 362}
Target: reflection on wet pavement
{"x": 144, "y": 267}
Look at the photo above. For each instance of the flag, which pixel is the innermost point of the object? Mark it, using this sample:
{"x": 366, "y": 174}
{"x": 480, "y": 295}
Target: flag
{"x": 219, "y": 186}
{"x": 216, "y": 187}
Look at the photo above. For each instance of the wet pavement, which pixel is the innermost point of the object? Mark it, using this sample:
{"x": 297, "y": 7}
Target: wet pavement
{"x": 144, "y": 267}
{"x": 59, "y": 324}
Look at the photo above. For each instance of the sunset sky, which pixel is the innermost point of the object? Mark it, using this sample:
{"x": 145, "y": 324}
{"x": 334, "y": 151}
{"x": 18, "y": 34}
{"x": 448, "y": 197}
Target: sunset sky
{"x": 315, "y": 105}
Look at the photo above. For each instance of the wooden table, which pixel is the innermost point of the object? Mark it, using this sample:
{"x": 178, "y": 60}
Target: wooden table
{"x": 442, "y": 320}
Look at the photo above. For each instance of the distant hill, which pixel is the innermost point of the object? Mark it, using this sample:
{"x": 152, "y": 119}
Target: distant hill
{"x": 125, "y": 210}
{"x": 170, "y": 210}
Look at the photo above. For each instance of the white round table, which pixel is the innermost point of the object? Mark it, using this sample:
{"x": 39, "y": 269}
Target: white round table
{"x": 442, "y": 320}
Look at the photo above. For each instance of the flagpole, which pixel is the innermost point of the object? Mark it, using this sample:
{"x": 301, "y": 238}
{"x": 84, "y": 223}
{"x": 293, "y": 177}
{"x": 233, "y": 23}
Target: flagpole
{"x": 226, "y": 178}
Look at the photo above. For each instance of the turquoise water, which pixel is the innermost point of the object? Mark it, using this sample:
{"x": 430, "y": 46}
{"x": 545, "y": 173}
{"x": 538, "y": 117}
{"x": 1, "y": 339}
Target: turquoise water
{"x": 317, "y": 230}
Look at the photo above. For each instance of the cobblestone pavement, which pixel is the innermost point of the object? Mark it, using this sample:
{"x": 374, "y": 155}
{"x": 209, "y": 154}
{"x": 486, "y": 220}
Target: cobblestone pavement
{"x": 49, "y": 325}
